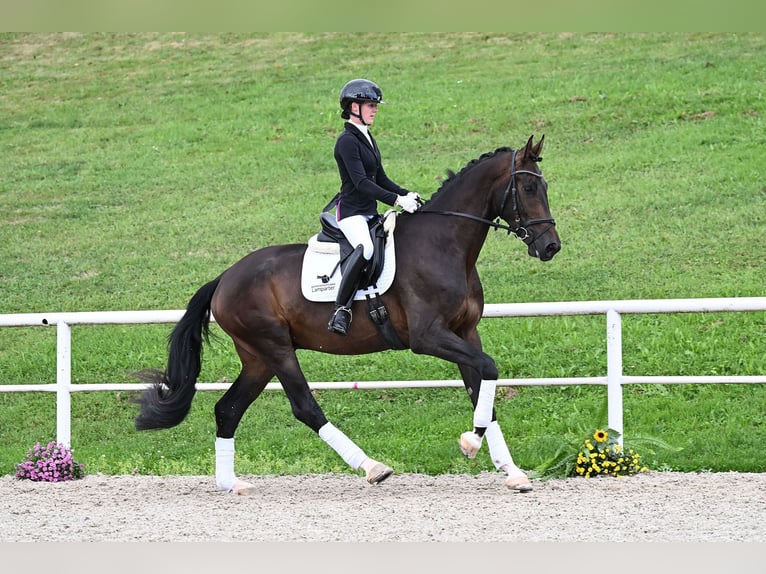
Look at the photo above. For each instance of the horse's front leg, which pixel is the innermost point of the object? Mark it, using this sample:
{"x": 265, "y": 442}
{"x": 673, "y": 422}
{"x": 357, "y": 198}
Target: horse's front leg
{"x": 439, "y": 341}
{"x": 470, "y": 441}
{"x": 480, "y": 376}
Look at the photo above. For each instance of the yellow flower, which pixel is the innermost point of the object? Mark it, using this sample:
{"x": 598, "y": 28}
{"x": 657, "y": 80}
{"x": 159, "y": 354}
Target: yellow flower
{"x": 600, "y": 435}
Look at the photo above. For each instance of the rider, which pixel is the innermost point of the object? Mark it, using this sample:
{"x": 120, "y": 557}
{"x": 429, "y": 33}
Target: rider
{"x": 363, "y": 184}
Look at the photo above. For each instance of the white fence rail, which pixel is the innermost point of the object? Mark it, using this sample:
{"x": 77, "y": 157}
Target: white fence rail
{"x": 613, "y": 380}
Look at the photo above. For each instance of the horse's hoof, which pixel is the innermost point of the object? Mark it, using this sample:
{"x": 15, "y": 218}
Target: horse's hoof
{"x": 469, "y": 443}
{"x": 242, "y": 488}
{"x": 519, "y": 483}
{"x": 379, "y": 473}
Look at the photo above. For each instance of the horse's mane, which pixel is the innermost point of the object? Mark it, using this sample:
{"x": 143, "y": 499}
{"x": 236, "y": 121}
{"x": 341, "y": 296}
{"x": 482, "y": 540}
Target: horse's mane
{"x": 452, "y": 177}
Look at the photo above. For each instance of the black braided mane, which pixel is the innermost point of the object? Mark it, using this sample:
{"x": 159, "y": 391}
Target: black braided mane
{"x": 453, "y": 177}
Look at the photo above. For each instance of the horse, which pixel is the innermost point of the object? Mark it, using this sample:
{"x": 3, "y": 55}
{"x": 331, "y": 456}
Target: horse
{"x": 434, "y": 306}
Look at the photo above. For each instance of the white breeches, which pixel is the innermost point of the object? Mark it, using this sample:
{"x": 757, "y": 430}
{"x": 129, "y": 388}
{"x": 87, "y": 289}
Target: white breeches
{"x": 357, "y": 232}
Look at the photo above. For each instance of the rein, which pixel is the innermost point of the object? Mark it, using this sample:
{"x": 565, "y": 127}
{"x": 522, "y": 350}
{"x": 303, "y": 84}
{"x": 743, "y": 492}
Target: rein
{"x": 519, "y": 230}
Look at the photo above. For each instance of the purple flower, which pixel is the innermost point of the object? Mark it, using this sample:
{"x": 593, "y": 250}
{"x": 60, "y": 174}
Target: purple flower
{"x": 52, "y": 463}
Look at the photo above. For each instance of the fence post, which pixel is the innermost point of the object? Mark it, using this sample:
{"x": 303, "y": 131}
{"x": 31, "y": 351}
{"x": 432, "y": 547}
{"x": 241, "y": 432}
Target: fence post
{"x": 614, "y": 370}
{"x": 63, "y": 382}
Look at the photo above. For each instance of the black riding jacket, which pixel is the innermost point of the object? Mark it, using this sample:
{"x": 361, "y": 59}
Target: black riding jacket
{"x": 363, "y": 181}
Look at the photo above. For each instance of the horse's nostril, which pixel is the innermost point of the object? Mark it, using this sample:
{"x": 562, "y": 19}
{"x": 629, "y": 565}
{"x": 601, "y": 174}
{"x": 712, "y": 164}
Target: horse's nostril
{"x": 552, "y": 248}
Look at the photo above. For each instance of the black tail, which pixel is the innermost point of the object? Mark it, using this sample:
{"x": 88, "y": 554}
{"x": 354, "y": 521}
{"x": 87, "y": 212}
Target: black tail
{"x": 167, "y": 402}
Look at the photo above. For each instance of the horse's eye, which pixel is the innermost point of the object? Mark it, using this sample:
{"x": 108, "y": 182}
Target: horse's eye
{"x": 530, "y": 188}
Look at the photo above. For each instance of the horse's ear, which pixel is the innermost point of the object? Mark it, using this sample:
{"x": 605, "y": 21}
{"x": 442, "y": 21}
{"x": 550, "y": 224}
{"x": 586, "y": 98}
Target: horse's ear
{"x": 533, "y": 152}
{"x": 528, "y": 147}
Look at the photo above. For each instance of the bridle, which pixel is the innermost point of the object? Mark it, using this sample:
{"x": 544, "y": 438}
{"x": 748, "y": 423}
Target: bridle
{"x": 517, "y": 228}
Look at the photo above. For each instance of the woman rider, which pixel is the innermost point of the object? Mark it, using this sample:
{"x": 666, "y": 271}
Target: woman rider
{"x": 363, "y": 183}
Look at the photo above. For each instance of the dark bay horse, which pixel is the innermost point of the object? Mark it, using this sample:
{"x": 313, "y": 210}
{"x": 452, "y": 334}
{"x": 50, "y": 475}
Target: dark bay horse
{"x": 434, "y": 304}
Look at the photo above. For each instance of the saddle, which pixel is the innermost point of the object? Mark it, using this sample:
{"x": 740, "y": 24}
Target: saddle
{"x": 322, "y": 269}
{"x": 327, "y": 250}
{"x": 331, "y": 239}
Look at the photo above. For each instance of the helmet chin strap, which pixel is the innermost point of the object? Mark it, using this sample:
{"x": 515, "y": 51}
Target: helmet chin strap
{"x": 359, "y": 115}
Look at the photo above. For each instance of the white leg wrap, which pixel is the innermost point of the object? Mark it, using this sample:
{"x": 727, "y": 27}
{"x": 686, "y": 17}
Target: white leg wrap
{"x": 482, "y": 414}
{"x": 344, "y": 446}
{"x": 498, "y": 450}
{"x": 224, "y": 463}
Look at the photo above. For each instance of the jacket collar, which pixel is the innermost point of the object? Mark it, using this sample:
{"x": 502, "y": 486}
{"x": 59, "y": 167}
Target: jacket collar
{"x": 353, "y": 128}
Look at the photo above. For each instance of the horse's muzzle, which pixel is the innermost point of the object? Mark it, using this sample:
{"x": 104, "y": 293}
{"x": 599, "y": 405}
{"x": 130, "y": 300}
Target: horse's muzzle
{"x": 550, "y": 246}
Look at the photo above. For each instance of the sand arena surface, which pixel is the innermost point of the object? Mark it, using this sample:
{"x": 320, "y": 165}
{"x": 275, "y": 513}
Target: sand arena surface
{"x": 656, "y": 506}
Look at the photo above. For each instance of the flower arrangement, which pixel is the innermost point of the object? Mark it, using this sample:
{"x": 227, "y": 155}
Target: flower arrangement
{"x": 50, "y": 463}
{"x": 604, "y": 455}
{"x": 598, "y": 454}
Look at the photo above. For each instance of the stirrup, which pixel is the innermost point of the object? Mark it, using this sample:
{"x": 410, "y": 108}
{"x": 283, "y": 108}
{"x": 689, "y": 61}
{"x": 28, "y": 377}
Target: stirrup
{"x": 340, "y": 321}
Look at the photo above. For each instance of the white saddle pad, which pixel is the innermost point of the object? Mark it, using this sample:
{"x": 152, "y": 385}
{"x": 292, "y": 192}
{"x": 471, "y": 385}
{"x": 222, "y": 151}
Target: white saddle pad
{"x": 321, "y": 258}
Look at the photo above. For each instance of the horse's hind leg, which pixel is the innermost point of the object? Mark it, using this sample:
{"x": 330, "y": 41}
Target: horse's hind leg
{"x": 498, "y": 449}
{"x": 228, "y": 413}
{"x": 306, "y": 409}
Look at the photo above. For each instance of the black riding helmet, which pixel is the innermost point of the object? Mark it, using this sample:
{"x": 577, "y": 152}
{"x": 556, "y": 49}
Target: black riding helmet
{"x": 358, "y": 91}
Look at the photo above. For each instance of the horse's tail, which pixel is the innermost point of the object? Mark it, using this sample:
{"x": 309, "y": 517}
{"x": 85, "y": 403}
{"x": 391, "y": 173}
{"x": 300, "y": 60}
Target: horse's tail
{"x": 168, "y": 400}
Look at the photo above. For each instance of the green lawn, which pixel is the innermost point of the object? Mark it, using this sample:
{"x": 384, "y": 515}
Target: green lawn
{"x": 136, "y": 167}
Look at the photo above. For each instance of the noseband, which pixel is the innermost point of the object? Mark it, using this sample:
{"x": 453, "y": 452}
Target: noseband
{"x": 517, "y": 228}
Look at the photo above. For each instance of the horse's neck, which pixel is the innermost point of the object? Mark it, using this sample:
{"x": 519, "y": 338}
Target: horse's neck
{"x": 468, "y": 194}
{"x": 472, "y": 194}
{"x": 461, "y": 236}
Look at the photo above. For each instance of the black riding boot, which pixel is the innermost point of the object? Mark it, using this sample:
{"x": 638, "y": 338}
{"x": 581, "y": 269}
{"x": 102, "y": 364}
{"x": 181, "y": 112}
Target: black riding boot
{"x": 341, "y": 318}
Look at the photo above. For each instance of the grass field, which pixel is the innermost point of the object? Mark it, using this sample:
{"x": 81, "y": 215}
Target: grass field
{"x": 136, "y": 167}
